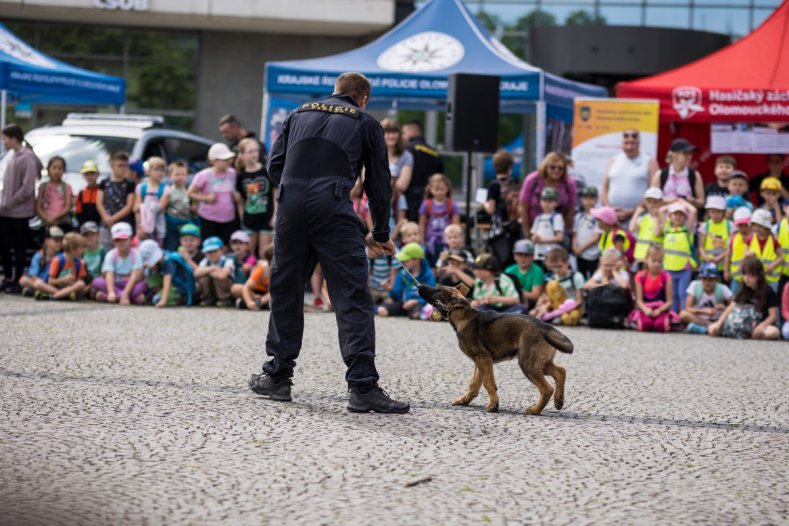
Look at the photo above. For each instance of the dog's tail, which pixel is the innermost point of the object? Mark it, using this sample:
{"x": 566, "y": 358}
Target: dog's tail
{"x": 557, "y": 339}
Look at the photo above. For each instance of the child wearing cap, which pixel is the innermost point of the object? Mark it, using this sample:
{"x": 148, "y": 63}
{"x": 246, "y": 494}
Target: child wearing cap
{"x": 678, "y": 180}
{"x": 42, "y": 260}
{"x": 647, "y": 223}
{"x": 150, "y": 201}
{"x": 152, "y": 257}
{"x": 66, "y": 272}
{"x": 491, "y": 289}
{"x": 177, "y": 205}
{"x": 738, "y": 193}
{"x": 254, "y": 293}
{"x": 243, "y": 259}
{"x": 122, "y": 279}
{"x": 706, "y": 300}
{"x": 215, "y": 190}
{"x": 530, "y": 275}
{"x": 547, "y": 230}
{"x": 732, "y": 262}
{"x": 724, "y": 167}
{"x": 587, "y": 235}
{"x": 115, "y": 199}
{"x": 189, "y": 249}
{"x": 53, "y": 205}
{"x": 770, "y": 191}
{"x": 85, "y": 203}
{"x": 214, "y": 275}
{"x": 763, "y": 244}
{"x": 612, "y": 236}
{"x": 93, "y": 254}
{"x": 714, "y": 233}
{"x": 679, "y": 252}
{"x": 404, "y": 298}
{"x": 563, "y": 298}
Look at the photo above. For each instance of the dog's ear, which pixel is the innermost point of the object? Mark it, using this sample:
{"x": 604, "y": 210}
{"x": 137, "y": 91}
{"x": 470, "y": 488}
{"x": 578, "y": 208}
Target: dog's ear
{"x": 462, "y": 288}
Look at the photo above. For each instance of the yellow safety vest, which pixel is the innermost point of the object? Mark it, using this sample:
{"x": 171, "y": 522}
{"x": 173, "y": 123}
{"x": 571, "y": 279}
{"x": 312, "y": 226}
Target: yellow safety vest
{"x": 645, "y": 237}
{"x": 783, "y": 240}
{"x": 767, "y": 256}
{"x": 678, "y": 249}
{"x": 607, "y": 240}
{"x": 716, "y": 230}
{"x": 738, "y": 248}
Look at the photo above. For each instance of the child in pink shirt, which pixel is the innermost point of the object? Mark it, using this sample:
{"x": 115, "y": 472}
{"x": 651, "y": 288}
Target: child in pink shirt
{"x": 215, "y": 190}
{"x": 54, "y": 197}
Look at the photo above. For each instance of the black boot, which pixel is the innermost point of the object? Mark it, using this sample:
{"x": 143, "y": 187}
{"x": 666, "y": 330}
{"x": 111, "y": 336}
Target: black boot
{"x": 264, "y": 385}
{"x": 377, "y": 400}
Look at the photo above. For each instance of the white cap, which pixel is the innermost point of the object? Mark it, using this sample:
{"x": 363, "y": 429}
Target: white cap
{"x": 121, "y": 231}
{"x": 150, "y": 252}
{"x": 742, "y": 215}
{"x": 762, "y": 217}
{"x": 239, "y": 235}
{"x": 220, "y": 151}
{"x": 715, "y": 202}
{"x": 653, "y": 192}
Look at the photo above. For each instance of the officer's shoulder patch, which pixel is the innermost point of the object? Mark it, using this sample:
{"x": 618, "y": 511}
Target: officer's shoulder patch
{"x": 350, "y": 111}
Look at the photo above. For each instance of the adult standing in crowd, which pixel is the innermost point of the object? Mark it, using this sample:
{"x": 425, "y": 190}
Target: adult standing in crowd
{"x": 426, "y": 163}
{"x": 504, "y": 226}
{"x": 17, "y": 205}
{"x": 401, "y": 168}
{"x": 678, "y": 180}
{"x": 232, "y": 131}
{"x": 627, "y": 176}
{"x": 552, "y": 173}
{"x": 315, "y": 163}
{"x": 775, "y": 168}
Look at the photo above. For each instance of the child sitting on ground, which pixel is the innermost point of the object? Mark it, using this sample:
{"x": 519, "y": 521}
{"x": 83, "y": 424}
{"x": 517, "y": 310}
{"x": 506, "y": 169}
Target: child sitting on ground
{"x": 547, "y": 230}
{"x": 53, "y": 205}
{"x": 754, "y": 310}
{"x": 714, "y": 233}
{"x": 93, "y": 255}
{"x": 453, "y": 243}
{"x": 646, "y": 223}
{"x": 611, "y": 272}
{"x": 42, "y": 260}
{"x": 492, "y": 289}
{"x": 436, "y": 212}
{"x": 707, "y": 299}
{"x": 189, "y": 249}
{"x": 587, "y": 235}
{"x": 530, "y": 275}
{"x": 243, "y": 259}
{"x": 214, "y": 276}
{"x": 254, "y": 293}
{"x": 66, "y": 272}
{"x": 654, "y": 294}
{"x": 150, "y": 201}
{"x": 383, "y": 271}
{"x": 404, "y": 298}
{"x": 735, "y": 252}
{"x": 563, "y": 298}
{"x": 122, "y": 270}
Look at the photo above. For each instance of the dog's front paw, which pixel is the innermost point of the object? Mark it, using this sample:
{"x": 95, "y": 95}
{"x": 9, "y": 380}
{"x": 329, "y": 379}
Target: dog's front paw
{"x": 533, "y": 410}
{"x": 492, "y": 407}
{"x": 558, "y": 403}
{"x": 461, "y": 401}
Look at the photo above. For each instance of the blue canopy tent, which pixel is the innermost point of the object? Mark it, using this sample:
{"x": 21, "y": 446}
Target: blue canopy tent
{"x": 30, "y": 76}
{"x": 409, "y": 67}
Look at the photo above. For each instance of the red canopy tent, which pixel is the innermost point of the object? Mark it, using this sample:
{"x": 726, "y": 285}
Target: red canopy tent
{"x": 747, "y": 81}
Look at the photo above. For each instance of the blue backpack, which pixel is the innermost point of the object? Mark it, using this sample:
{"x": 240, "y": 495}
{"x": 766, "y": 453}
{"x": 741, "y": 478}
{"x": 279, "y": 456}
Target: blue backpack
{"x": 61, "y": 257}
{"x": 185, "y": 279}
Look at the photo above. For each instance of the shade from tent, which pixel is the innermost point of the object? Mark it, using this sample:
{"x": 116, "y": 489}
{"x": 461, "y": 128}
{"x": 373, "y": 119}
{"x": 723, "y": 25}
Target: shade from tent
{"x": 747, "y": 81}
{"x": 27, "y": 75}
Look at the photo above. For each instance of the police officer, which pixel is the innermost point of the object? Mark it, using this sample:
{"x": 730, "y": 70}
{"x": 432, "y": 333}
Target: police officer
{"x": 426, "y": 163}
{"x": 315, "y": 162}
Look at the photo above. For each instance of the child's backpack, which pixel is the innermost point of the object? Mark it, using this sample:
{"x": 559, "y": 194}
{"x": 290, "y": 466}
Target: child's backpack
{"x": 515, "y": 280}
{"x": 61, "y": 257}
{"x": 447, "y": 212}
{"x": 144, "y": 191}
{"x": 698, "y": 290}
{"x": 691, "y": 180}
{"x": 183, "y": 279}
{"x": 607, "y": 307}
{"x": 239, "y": 276}
{"x": 741, "y": 321}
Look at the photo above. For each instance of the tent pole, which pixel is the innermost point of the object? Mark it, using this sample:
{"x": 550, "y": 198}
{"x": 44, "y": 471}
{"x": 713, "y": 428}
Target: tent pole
{"x": 540, "y": 129}
{"x": 264, "y": 119}
{"x": 3, "y": 103}
{"x": 431, "y": 127}
{"x": 469, "y": 184}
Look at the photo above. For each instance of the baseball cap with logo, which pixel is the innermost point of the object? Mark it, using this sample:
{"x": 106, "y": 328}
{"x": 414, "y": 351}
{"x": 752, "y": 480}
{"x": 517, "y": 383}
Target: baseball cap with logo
{"x": 121, "y": 230}
{"x": 55, "y": 232}
{"x": 411, "y": 251}
{"x": 89, "y": 167}
{"x": 589, "y": 191}
{"x": 549, "y": 194}
{"x": 220, "y": 151}
{"x": 762, "y": 217}
{"x": 715, "y": 202}
{"x": 487, "y": 262}
{"x": 523, "y": 246}
{"x": 653, "y": 192}
{"x": 771, "y": 183}
{"x": 212, "y": 243}
{"x": 190, "y": 229}
{"x": 682, "y": 145}
{"x": 708, "y": 270}
{"x": 742, "y": 216}
{"x": 89, "y": 227}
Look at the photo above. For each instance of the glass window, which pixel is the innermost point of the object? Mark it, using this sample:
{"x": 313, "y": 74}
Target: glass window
{"x": 727, "y": 21}
{"x": 621, "y": 15}
{"x": 194, "y": 153}
{"x": 675, "y": 17}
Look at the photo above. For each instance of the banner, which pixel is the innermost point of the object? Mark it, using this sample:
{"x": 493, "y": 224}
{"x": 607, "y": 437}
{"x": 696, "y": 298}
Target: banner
{"x": 597, "y": 133}
{"x": 276, "y": 110}
{"x": 749, "y": 138}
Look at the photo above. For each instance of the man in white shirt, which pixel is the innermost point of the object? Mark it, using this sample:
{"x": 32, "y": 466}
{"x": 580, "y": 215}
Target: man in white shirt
{"x": 627, "y": 176}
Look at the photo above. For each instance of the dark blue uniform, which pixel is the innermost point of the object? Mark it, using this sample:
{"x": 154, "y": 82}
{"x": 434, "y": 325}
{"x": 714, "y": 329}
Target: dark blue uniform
{"x": 315, "y": 163}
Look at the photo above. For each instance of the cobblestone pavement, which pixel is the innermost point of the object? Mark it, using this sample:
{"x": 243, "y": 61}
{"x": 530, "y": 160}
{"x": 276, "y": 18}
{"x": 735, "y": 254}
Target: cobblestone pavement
{"x": 139, "y": 416}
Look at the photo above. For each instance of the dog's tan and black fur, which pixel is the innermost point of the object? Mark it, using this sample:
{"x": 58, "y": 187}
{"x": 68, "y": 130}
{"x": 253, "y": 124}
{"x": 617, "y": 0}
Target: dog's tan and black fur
{"x": 489, "y": 337}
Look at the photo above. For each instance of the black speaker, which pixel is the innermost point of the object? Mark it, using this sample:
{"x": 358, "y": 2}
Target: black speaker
{"x": 472, "y": 113}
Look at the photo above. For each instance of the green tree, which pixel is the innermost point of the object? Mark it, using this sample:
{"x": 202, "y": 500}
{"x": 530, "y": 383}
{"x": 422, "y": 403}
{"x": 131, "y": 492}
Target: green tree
{"x": 582, "y": 18}
{"x": 489, "y": 20}
{"x": 516, "y": 35}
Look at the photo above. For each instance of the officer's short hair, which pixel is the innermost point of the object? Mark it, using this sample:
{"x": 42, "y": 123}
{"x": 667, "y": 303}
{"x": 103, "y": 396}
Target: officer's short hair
{"x": 229, "y": 119}
{"x": 415, "y": 122}
{"x": 354, "y": 84}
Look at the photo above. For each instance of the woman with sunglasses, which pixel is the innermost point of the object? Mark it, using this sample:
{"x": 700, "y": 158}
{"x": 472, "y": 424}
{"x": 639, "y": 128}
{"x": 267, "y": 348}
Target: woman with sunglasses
{"x": 552, "y": 173}
{"x": 627, "y": 177}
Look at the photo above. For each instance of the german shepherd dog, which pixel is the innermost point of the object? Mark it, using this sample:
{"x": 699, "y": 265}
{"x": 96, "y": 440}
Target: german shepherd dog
{"x": 489, "y": 337}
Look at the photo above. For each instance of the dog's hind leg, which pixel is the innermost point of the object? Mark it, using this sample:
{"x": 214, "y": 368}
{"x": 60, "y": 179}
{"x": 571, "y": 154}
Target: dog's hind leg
{"x": 558, "y": 374}
{"x": 473, "y": 389}
{"x": 485, "y": 368}
{"x": 545, "y": 389}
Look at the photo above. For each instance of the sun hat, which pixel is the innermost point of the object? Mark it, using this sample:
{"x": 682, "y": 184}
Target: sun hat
{"x": 589, "y": 191}
{"x": 121, "y": 230}
{"x": 55, "y": 231}
{"x": 89, "y": 167}
{"x": 605, "y": 214}
{"x": 88, "y": 227}
{"x": 549, "y": 194}
{"x": 212, "y": 243}
{"x": 709, "y": 270}
{"x": 220, "y": 151}
{"x": 487, "y": 262}
{"x": 190, "y": 229}
{"x": 682, "y": 145}
{"x": 676, "y": 206}
{"x": 762, "y": 217}
{"x": 150, "y": 252}
{"x": 715, "y": 202}
{"x": 411, "y": 251}
{"x": 653, "y": 192}
{"x": 742, "y": 216}
{"x": 239, "y": 235}
{"x": 523, "y": 246}
{"x": 771, "y": 183}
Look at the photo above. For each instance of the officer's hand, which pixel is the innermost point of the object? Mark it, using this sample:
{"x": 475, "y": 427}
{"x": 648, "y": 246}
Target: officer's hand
{"x": 385, "y": 249}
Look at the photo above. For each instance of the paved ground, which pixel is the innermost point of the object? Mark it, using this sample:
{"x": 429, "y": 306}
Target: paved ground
{"x": 130, "y": 415}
